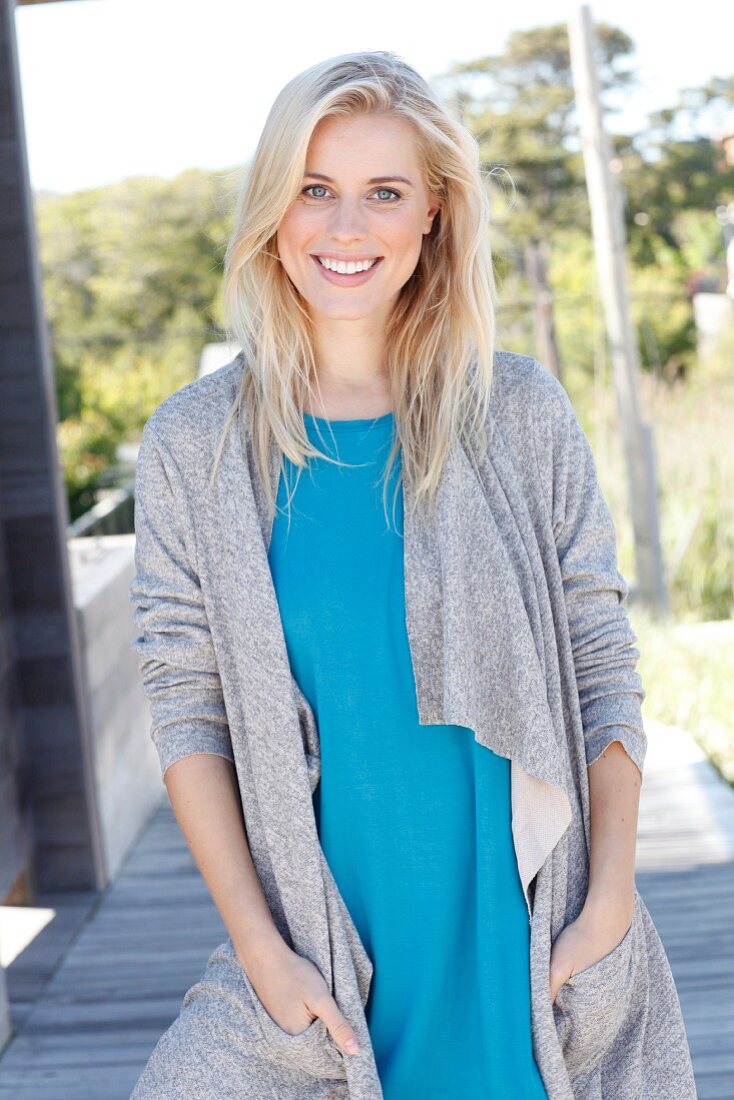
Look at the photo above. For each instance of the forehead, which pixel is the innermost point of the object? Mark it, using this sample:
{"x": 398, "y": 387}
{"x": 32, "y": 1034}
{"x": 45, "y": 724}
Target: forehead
{"x": 369, "y": 145}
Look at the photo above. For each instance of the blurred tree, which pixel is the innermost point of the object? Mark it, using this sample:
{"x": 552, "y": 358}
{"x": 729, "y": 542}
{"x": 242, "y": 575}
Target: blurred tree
{"x": 520, "y": 106}
{"x": 675, "y": 176}
{"x": 132, "y": 279}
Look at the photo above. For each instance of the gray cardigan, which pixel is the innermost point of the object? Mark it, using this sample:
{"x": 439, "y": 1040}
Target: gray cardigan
{"x": 517, "y": 630}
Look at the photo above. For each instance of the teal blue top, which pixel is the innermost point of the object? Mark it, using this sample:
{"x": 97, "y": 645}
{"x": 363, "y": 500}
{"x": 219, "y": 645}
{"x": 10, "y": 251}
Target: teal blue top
{"x": 414, "y": 821}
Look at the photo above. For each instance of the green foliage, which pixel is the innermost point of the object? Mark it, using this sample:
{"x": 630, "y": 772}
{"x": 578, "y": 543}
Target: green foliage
{"x": 662, "y": 316}
{"x": 701, "y": 244}
{"x": 119, "y": 260}
{"x": 692, "y": 423}
{"x": 131, "y": 276}
{"x": 520, "y": 105}
{"x": 87, "y": 444}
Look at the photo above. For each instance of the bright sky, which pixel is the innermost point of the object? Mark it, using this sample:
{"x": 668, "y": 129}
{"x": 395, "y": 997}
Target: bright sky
{"x": 117, "y": 88}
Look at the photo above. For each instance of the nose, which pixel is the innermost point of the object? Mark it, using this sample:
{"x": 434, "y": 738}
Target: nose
{"x": 348, "y": 221}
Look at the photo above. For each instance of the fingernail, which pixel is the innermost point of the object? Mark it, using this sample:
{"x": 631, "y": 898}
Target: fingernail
{"x": 351, "y": 1045}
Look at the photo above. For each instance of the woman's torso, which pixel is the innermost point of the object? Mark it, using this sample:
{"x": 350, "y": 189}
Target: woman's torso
{"x": 414, "y": 820}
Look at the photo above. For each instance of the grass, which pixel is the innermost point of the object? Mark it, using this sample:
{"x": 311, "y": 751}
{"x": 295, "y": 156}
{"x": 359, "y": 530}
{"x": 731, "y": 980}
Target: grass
{"x": 686, "y": 663}
{"x": 686, "y": 672}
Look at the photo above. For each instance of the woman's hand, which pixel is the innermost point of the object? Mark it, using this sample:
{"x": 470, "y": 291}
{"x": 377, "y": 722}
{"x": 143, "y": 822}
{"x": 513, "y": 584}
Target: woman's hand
{"x": 597, "y": 930}
{"x": 294, "y": 993}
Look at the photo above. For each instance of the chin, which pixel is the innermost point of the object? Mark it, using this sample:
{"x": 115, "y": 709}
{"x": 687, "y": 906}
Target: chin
{"x": 343, "y": 310}
{"x": 343, "y": 314}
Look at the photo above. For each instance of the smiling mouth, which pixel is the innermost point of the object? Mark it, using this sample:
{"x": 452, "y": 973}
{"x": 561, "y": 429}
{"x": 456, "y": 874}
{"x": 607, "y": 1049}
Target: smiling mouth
{"x": 346, "y": 279}
{"x": 327, "y": 263}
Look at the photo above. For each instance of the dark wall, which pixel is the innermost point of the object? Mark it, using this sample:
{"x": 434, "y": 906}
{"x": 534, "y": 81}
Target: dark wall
{"x": 51, "y": 769}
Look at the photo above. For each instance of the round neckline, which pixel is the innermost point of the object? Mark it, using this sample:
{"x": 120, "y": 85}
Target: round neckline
{"x": 356, "y": 424}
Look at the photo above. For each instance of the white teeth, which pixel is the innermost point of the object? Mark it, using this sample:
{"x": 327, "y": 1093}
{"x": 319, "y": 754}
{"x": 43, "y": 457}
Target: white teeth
{"x": 346, "y": 268}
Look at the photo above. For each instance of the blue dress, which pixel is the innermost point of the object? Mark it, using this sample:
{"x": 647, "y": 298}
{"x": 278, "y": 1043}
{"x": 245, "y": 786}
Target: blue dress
{"x": 414, "y": 821}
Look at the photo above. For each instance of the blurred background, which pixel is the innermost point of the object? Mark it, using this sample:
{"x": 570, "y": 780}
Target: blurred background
{"x": 125, "y": 127}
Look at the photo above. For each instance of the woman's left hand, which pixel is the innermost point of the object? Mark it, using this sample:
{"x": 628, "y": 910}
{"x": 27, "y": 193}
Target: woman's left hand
{"x": 597, "y": 930}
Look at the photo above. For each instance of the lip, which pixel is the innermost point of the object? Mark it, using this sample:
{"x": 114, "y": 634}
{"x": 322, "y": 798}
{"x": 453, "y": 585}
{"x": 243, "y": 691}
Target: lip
{"x": 352, "y": 257}
{"x": 346, "y": 280}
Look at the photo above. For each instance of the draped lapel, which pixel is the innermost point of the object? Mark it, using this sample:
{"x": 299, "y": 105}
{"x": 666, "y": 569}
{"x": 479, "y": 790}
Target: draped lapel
{"x": 269, "y": 707}
{"x": 541, "y": 806}
{"x": 471, "y": 605}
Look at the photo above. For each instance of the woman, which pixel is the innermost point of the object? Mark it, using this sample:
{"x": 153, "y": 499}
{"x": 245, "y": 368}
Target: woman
{"x": 388, "y": 734}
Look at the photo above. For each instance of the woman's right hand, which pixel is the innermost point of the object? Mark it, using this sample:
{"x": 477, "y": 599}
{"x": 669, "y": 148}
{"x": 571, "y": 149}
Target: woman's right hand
{"x": 294, "y": 993}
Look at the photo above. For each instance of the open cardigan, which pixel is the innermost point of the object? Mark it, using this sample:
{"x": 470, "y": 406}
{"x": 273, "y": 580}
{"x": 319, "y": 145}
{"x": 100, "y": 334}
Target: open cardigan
{"x": 517, "y": 630}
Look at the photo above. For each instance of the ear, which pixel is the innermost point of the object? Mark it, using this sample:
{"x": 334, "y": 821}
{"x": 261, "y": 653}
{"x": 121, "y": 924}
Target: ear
{"x": 430, "y": 216}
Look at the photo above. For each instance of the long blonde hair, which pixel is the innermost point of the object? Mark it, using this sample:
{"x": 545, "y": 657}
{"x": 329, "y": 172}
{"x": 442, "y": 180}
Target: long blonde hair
{"x": 440, "y": 340}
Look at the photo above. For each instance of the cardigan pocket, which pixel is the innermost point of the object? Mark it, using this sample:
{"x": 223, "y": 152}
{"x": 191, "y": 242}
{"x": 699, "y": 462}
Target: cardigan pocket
{"x": 591, "y": 1005}
{"x": 312, "y": 1049}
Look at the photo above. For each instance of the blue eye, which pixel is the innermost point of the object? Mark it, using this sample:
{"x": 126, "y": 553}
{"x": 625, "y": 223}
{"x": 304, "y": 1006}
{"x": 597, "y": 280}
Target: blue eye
{"x": 320, "y": 187}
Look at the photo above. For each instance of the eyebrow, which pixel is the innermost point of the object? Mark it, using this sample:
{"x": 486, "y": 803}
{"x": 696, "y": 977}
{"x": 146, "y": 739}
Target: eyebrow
{"x": 375, "y": 179}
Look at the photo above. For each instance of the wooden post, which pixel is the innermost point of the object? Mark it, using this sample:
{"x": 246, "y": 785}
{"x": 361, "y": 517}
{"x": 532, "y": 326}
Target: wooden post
{"x": 536, "y": 270}
{"x": 610, "y": 250}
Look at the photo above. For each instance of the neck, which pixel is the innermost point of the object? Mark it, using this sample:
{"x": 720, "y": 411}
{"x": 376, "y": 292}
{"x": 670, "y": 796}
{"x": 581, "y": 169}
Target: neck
{"x": 352, "y": 378}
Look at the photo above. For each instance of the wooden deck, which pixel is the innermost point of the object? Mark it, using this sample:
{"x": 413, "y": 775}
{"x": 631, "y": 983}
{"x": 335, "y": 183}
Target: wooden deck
{"x": 94, "y": 991}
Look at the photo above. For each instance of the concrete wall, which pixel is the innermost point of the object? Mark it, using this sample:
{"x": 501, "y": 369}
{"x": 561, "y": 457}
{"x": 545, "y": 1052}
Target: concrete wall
{"x": 125, "y": 768}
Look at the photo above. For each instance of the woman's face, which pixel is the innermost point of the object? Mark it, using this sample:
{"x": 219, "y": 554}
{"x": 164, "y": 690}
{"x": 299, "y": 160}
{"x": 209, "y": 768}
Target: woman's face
{"x": 354, "y": 207}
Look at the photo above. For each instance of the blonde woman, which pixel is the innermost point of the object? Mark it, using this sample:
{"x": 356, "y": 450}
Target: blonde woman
{"x": 392, "y": 682}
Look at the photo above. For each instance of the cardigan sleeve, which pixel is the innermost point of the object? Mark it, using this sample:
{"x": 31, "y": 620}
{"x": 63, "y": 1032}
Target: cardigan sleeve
{"x": 609, "y": 686}
{"x": 174, "y": 645}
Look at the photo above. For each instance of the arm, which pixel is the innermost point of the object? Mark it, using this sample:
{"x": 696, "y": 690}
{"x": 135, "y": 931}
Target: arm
{"x": 174, "y": 644}
{"x": 602, "y": 639}
{"x": 191, "y": 733}
{"x": 181, "y": 680}
{"x": 609, "y": 689}
{"x": 205, "y": 797}
{"x": 614, "y": 798}
{"x": 608, "y": 910}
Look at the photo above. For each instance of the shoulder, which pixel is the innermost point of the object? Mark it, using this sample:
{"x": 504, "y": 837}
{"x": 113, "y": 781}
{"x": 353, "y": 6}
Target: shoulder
{"x": 193, "y": 416}
{"x": 536, "y": 424}
{"x": 528, "y": 403}
{"x": 520, "y": 383}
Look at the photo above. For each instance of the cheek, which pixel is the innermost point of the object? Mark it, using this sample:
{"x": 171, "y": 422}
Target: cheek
{"x": 407, "y": 241}
{"x": 291, "y": 234}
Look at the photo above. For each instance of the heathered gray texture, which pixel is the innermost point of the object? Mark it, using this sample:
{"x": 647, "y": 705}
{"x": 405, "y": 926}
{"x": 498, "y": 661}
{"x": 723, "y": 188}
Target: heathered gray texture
{"x": 517, "y": 629}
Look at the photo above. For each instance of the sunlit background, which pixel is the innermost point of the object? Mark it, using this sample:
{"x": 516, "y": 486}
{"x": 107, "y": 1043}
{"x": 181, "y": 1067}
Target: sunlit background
{"x": 146, "y": 87}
